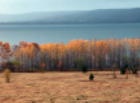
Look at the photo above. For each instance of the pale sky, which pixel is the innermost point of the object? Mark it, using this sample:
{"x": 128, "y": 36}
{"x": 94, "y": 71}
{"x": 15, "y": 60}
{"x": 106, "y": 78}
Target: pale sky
{"x": 23, "y": 6}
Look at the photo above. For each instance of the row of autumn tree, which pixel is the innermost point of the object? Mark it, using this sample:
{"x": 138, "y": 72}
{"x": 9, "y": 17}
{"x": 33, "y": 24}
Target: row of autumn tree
{"x": 77, "y": 54}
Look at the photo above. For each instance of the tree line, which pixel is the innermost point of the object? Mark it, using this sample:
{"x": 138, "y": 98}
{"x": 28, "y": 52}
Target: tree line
{"x": 76, "y": 54}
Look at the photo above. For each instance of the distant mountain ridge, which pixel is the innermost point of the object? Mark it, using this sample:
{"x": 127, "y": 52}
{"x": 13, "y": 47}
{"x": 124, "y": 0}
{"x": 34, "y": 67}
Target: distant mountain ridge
{"x": 75, "y": 17}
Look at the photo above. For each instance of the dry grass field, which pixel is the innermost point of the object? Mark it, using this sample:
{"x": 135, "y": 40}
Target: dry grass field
{"x": 69, "y": 87}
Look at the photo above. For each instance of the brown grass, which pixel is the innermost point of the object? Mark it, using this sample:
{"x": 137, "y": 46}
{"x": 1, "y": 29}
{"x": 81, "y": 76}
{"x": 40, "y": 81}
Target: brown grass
{"x": 56, "y": 87}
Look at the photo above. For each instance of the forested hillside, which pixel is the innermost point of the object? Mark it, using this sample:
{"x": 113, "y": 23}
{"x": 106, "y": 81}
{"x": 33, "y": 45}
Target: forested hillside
{"x": 75, "y": 17}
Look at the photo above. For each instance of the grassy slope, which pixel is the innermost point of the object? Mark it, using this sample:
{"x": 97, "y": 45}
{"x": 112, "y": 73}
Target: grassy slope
{"x": 69, "y": 88}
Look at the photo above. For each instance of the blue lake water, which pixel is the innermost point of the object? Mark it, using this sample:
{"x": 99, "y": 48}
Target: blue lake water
{"x": 65, "y": 33}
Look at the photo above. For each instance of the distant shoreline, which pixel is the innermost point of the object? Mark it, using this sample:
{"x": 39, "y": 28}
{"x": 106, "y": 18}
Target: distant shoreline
{"x": 67, "y": 23}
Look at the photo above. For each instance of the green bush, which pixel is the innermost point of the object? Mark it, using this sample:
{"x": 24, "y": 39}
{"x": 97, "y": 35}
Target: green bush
{"x": 91, "y": 76}
{"x": 135, "y": 71}
{"x": 129, "y": 67}
{"x": 84, "y": 69}
{"x": 42, "y": 70}
{"x": 122, "y": 71}
{"x": 124, "y": 68}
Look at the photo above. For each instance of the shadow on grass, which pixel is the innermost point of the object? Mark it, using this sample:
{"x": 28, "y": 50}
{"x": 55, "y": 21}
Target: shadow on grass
{"x": 90, "y": 81}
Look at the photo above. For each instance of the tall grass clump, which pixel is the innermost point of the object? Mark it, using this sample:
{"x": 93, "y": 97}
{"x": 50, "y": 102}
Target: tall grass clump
{"x": 114, "y": 71}
{"x": 7, "y": 75}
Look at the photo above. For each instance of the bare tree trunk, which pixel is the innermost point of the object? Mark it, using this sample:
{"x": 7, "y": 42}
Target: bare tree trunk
{"x": 114, "y": 74}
